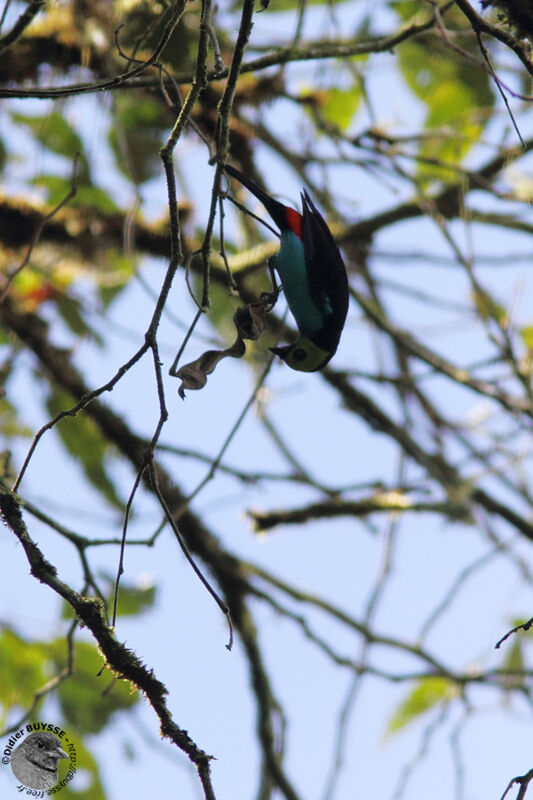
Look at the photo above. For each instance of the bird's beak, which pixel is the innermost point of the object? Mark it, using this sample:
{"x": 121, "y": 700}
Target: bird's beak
{"x": 60, "y": 753}
{"x": 282, "y": 352}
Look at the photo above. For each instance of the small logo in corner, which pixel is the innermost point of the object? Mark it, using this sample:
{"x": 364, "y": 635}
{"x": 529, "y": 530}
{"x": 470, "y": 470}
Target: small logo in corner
{"x": 34, "y": 753}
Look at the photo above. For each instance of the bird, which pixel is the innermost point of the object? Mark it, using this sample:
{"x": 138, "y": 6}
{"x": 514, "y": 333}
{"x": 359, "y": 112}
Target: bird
{"x": 34, "y": 762}
{"x": 313, "y": 278}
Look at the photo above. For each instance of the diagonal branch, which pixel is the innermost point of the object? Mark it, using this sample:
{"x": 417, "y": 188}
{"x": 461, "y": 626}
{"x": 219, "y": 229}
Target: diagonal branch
{"x": 27, "y": 16}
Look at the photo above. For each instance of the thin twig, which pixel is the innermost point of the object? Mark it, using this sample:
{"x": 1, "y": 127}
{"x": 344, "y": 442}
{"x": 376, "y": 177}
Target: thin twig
{"x": 181, "y": 541}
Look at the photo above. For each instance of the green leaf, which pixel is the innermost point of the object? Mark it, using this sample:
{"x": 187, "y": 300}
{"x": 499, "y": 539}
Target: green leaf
{"x": 146, "y": 21}
{"x": 90, "y": 696}
{"x": 514, "y": 661}
{"x": 488, "y": 308}
{"x": 527, "y": 336}
{"x": 23, "y": 670}
{"x": 133, "y": 599}
{"x": 54, "y": 132}
{"x": 10, "y": 426}
{"x": 84, "y": 442}
{"x": 458, "y": 96}
{"x": 32, "y": 288}
{"x": 136, "y": 136}
{"x": 95, "y": 198}
{"x": 86, "y": 196}
{"x": 221, "y": 311}
{"x": 118, "y": 271}
{"x": 70, "y": 311}
{"x": 406, "y": 9}
{"x": 427, "y": 694}
{"x": 340, "y": 105}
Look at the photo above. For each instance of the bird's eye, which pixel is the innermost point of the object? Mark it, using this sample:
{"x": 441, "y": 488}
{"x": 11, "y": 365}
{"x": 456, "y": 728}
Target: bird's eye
{"x": 40, "y": 745}
{"x": 299, "y": 354}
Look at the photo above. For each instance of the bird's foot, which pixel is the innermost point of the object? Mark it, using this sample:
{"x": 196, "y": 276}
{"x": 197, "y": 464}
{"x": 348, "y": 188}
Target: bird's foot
{"x": 269, "y": 299}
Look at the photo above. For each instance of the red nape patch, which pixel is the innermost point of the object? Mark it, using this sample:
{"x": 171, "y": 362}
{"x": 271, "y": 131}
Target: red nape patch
{"x": 294, "y": 220}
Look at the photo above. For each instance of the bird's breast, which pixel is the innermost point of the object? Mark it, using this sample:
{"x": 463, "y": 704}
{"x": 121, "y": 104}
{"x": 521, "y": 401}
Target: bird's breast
{"x": 290, "y": 264}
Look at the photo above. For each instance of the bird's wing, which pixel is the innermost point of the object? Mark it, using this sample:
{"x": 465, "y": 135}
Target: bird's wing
{"x": 325, "y": 269}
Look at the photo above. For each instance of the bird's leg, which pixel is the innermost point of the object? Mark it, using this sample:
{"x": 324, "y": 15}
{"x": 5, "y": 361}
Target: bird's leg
{"x": 270, "y": 298}
{"x": 272, "y": 266}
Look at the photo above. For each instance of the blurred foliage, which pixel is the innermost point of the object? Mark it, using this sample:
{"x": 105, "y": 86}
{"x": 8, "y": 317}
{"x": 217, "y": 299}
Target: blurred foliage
{"x": 54, "y": 133}
{"x": 457, "y": 92}
{"x": 24, "y": 668}
{"x": 339, "y": 105}
{"x": 427, "y": 694}
{"x": 91, "y": 695}
{"x": 459, "y": 100}
{"x": 132, "y": 599}
{"x": 488, "y": 308}
{"x": 137, "y": 135}
{"x": 91, "y": 787}
{"x": 26, "y": 665}
{"x": 10, "y": 424}
{"x": 527, "y": 336}
{"x": 143, "y": 24}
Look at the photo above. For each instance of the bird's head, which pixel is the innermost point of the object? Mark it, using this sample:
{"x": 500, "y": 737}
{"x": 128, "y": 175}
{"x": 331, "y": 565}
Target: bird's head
{"x": 304, "y": 355}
